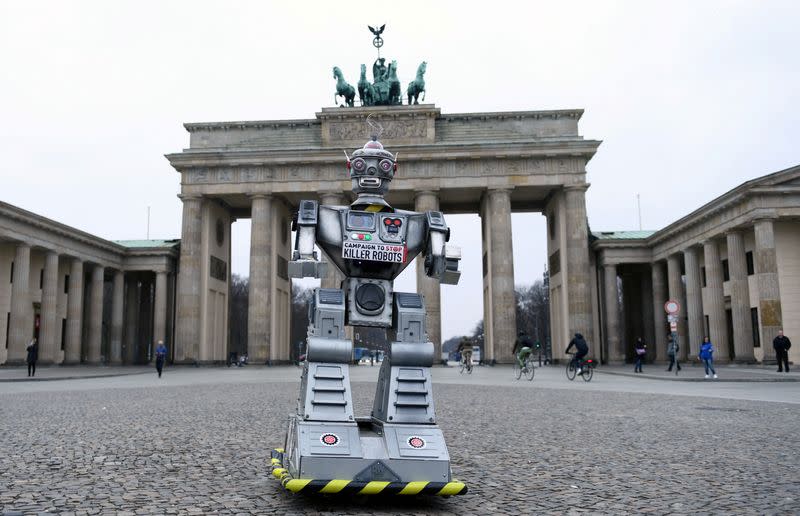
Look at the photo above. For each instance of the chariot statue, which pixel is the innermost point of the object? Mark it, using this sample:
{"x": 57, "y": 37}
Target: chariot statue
{"x": 385, "y": 89}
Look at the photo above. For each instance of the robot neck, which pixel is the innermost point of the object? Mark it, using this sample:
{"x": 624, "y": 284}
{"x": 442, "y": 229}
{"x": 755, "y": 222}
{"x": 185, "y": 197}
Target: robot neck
{"x": 371, "y": 202}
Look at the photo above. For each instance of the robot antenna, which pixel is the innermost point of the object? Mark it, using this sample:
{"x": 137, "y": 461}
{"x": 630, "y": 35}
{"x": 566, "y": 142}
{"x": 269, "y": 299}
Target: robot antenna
{"x": 376, "y": 127}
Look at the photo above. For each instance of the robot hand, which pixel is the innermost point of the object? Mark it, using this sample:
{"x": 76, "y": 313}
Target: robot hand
{"x": 304, "y": 268}
{"x": 444, "y": 266}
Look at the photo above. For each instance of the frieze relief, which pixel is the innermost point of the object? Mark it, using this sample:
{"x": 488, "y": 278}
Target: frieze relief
{"x": 392, "y": 130}
{"x": 205, "y": 175}
{"x": 427, "y": 169}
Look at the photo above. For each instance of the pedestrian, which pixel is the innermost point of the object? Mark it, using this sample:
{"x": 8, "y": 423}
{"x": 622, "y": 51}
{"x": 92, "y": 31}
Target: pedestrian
{"x": 782, "y": 344}
{"x": 707, "y": 356}
{"x": 672, "y": 353}
{"x": 33, "y": 356}
{"x": 640, "y": 349}
{"x": 161, "y": 355}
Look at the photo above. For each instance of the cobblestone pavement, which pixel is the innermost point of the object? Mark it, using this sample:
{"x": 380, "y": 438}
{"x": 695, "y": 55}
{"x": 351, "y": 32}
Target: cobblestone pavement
{"x": 197, "y": 442}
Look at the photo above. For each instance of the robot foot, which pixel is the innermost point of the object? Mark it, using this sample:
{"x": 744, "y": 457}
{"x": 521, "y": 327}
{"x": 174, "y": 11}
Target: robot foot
{"x": 367, "y": 457}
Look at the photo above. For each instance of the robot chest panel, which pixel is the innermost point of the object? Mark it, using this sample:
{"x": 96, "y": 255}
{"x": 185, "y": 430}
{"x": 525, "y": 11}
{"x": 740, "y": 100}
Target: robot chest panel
{"x": 375, "y": 237}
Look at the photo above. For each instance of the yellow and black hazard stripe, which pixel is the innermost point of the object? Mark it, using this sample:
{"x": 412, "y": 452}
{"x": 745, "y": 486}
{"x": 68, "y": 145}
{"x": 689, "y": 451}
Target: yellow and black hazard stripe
{"x": 350, "y": 487}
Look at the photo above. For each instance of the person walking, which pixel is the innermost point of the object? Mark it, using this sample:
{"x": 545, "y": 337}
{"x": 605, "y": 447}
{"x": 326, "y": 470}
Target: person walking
{"x": 707, "y": 356}
{"x": 640, "y": 349}
{"x": 161, "y": 355}
{"x": 781, "y": 343}
{"x": 672, "y": 353}
{"x": 33, "y": 356}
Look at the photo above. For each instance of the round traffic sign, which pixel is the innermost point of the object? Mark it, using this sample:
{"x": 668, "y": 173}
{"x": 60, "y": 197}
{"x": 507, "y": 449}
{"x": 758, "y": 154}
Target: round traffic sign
{"x": 672, "y": 307}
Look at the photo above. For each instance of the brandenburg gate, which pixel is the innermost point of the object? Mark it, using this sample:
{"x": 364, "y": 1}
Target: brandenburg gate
{"x": 491, "y": 164}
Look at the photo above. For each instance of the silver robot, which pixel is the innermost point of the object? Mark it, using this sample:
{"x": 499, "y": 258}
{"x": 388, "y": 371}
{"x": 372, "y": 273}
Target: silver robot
{"x": 398, "y": 448}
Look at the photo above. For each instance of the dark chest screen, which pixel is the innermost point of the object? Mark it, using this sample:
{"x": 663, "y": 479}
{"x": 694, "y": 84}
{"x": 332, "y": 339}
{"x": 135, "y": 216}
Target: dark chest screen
{"x": 360, "y": 220}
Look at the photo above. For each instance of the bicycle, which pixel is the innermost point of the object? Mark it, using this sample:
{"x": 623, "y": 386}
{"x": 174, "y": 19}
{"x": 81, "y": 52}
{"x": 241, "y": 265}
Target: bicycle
{"x": 586, "y": 366}
{"x": 527, "y": 369}
{"x": 466, "y": 365}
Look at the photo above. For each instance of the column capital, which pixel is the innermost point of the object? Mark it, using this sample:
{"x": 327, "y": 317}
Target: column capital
{"x": 764, "y": 218}
{"x": 497, "y": 190}
{"x": 260, "y": 196}
{"x": 190, "y": 197}
{"x": 332, "y": 197}
{"x": 426, "y": 191}
{"x": 733, "y": 232}
{"x": 692, "y": 249}
{"x": 577, "y": 187}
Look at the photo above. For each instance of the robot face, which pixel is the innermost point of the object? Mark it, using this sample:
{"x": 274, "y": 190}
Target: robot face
{"x": 372, "y": 168}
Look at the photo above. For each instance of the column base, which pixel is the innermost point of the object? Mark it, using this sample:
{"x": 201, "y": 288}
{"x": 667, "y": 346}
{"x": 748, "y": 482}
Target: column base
{"x": 17, "y": 363}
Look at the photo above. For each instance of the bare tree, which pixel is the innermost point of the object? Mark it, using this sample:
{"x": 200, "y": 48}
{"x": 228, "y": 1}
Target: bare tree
{"x": 301, "y": 297}
{"x": 240, "y": 286}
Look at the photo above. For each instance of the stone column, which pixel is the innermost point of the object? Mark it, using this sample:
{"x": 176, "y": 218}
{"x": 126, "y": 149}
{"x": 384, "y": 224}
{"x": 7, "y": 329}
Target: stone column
{"x": 117, "y": 312}
{"x": 740, "y": 299}
{"x": 145, "y": 340}
{"x": 769, "y": 293}
{"x": 259, "y": 323}
{"x": 616, "y": 354}
{"x": 676, "y": 292}
{"x": 131, "y": 318}
{"x": 20, "y": 331}
{"x": 504, "y": 314}
{"x": 49, "y": 329}
{"x": 160, "y": 311}
{"x": 647, "y": 313}
{"x": 694, "y": 300}
{"x": 72, "y": 345}
{"x": 187, "y": 338}
{"x": 659, "y": 316}
{"x": 333, "y": 278}
{"x": 579, "y": 292}
{"x": 96, "y": 314}
{"x": 429, "y": 287}
{"x": 717, "y": 325}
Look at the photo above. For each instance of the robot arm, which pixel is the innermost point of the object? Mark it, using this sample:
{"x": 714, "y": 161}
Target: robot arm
{"x": 441, "y": 260}
{"x": 304, "y": 262}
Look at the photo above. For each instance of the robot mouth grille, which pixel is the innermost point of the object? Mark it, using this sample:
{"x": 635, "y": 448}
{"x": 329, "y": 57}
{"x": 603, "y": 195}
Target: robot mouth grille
{"x": 369, "y": 181}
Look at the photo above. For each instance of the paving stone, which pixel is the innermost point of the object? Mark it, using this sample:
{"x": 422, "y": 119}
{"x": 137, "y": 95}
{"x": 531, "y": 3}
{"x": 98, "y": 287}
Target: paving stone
{"x": 203, "y": 448}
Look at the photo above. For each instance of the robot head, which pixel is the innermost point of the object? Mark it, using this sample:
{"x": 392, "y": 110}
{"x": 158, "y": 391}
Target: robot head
{"x": 371, "y": 169}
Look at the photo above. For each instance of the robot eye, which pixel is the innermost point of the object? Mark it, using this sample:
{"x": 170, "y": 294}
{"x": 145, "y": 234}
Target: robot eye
{"x": 387, "y": 222}
{"x": 359, "y": 165}
{"x": 386, "y": 165}
{"x": 396, "y": 222}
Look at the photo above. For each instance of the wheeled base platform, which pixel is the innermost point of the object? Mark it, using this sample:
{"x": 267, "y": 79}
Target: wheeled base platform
{"x": 365, "y": 457}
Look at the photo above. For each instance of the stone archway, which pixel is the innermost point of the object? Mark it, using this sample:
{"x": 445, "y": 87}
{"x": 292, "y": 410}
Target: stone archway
{"x": 486, "y": 163}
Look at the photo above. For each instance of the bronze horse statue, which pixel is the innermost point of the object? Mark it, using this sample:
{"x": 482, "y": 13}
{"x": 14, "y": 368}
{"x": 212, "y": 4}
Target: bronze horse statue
{"x": 395, "y": 95}
{"x": 366, "y": 91}
{"x": 417, "y": 86}
{"x": 343, "y": 88}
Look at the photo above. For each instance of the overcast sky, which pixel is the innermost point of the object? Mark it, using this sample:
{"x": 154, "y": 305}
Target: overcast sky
{"x": 690, "y": 99}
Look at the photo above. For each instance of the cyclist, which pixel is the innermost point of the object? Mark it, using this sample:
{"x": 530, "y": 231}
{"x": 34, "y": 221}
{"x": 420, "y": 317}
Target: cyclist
{"x": 522, "y": 348}
{"x": 581, "y": 350}
{"x": 465, "y": 348}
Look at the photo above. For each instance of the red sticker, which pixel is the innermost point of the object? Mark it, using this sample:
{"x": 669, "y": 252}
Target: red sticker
{"x": 416, "y": 442}
{"x": 329, "y": 439}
